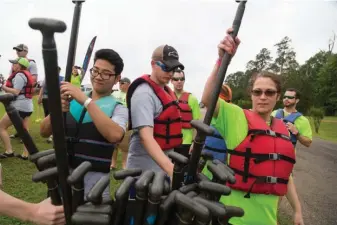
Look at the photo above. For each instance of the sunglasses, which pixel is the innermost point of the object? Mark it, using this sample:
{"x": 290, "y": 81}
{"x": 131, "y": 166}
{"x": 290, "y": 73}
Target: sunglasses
{"x": 288, "y": 97}
{"x": 268, "y": 93}
{"x": 178, "y": 78}
{"x": 164, "y": 67}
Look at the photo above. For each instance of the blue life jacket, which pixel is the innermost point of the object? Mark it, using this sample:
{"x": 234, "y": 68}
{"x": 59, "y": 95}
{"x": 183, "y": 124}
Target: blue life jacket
{"x": 216, "y": 145}
{"x": 291, "y": 119}
{"x": 84, "y": 141}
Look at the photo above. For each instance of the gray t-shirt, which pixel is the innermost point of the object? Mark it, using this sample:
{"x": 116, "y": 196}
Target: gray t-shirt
{"x": 119, "y": 116}
{"x": 21, "y": 103}
{"x": 145, "y": 107}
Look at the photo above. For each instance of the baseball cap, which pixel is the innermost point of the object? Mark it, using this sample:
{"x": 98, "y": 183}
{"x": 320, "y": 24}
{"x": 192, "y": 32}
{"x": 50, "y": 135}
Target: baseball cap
{"x": 167, "y": 55}
{"x": 22, "y": 61}
{"x": 125, "y": 80}
{"x": 21, "y": 47}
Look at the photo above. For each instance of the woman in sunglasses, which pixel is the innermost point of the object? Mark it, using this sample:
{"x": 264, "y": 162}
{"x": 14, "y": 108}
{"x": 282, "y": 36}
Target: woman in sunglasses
{"x": 259, "y": 148}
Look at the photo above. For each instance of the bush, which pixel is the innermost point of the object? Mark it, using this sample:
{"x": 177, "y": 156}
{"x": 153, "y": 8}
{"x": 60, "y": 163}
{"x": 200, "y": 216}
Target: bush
{"x": 245, "y": 104}
{"x": 317, "y": 115}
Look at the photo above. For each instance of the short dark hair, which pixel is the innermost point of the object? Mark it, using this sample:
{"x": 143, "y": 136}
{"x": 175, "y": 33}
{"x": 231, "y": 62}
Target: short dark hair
{"x": 265, "y": 74}
{"x": 297, "y": 93}
{"x": 179, "y": 71}
{"x": 112, "y": 57}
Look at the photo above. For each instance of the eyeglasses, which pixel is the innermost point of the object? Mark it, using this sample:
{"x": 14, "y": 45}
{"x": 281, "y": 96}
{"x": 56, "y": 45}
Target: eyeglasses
{"x": 104, "y": 75}
{"x": 178, "y": 78}
{"x": 288, "y": 97}
{"x": 163, "y": 67}
{"x": 268, "y": 93}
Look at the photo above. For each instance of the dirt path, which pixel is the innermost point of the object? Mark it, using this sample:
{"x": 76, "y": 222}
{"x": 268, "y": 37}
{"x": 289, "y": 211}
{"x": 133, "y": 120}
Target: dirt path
{"x": 316, "y": 182}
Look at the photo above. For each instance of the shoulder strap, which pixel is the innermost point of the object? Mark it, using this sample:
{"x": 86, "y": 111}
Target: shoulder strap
{"x": 184, "y": 97}
{"x": 293, "y": 116}
{"x": 279, "y": 114}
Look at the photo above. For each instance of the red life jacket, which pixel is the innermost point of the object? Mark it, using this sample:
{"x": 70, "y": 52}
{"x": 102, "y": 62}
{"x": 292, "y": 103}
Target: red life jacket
{"x": 27, "y": 90}
{"x": 265, "y": 159}
{"x": 185, "y": 110}
{"x": 167, "y": 126}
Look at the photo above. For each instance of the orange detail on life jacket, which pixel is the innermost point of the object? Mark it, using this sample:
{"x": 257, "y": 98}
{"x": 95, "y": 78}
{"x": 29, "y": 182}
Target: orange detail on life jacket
{"x": 185, "y": 110}
{"x": 167, "y": 126}
{"x": 265, "y": 159}
{"x": 27, "y": 90}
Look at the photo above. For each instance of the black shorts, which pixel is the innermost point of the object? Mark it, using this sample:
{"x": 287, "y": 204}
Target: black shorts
{"x": 23, "y": 115}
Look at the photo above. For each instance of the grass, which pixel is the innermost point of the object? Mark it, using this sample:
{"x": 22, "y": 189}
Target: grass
{"x": 327, "y": 130}
{"x": 17, "y": 174}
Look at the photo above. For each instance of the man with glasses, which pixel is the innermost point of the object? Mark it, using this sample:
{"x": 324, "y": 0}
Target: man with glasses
{"x": 154, "y": 114}
{"x": 189, "y": 110}
{"x": 297, "y": 124}
{"x": 95, "y": 122}
{"x": 120, "y": 95}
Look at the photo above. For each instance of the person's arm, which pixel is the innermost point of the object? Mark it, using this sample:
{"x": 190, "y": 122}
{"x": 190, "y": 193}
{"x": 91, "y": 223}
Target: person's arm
{"x": 303, "y": 133}
{"x": 107, "y": 127}
{"x": 154, "y": 150}
{"x": 19, "y": 81}
{"x": 208, "y": 90}
{"x": 304, "y": 140}
{"x": 11, "y": 90}
{"x": 43, "y": 213}
{"x": 33, "y": 71}
{"x": 294, "y": 202}
{"x": 226, "y": 45}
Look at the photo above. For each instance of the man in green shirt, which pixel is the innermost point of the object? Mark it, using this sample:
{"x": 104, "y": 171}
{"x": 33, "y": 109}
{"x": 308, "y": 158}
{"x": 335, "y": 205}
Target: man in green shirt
{"x": 297, "y": 124}
{"x": 189, "y": 109}
{"x": 120, "y": 95}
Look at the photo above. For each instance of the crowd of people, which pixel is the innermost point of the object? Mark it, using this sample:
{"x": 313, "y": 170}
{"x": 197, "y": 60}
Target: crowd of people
{"x": 146, "y": 120}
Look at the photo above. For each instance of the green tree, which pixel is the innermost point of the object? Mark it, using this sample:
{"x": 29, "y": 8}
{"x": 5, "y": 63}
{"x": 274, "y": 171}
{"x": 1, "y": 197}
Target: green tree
{"x": 262, "y": 61}
{"x": 286, "y": 57}
{"x": 327, "y": 81}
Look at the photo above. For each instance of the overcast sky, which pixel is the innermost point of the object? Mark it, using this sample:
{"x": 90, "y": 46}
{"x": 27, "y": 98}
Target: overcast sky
{"x": 134, "y": 28}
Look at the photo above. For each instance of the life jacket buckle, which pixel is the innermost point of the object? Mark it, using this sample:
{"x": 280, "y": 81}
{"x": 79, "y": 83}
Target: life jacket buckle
{"x": 271, "y": 180}
{"x": 271, "y": 133}
{"x": 72, "y": 139}
{"x": 274, "y": 156}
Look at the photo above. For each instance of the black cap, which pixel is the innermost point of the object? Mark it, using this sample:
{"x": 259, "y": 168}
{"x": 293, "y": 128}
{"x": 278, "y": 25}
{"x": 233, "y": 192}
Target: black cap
{"x": 167, "y": 55}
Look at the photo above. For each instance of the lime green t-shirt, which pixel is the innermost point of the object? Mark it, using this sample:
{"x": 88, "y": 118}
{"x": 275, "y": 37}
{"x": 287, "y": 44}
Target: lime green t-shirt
{"x": 260, "y": 209}
{"x": 194, "y": 104}
{"x": 120, "y": 96}
{"x": 76, "y": 80}
{"x": 302, "y": 124}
